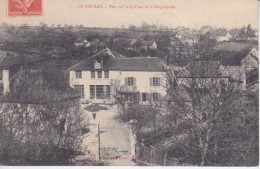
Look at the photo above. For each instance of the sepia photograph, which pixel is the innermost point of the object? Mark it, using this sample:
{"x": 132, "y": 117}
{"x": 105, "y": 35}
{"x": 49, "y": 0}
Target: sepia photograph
{"x": 129, "y": 83}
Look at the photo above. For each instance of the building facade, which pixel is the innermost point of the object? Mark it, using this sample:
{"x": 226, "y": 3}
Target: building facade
{"x": 99, "y": 77}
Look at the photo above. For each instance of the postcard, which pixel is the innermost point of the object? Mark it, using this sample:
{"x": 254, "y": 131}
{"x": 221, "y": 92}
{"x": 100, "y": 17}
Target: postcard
{"x": 129, "y": 83}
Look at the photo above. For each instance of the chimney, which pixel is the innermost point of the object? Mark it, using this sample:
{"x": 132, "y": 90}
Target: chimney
{"x": 6, "y": 87}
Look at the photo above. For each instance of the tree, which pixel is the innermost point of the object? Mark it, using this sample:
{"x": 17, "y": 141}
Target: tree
{"x": 164, "y": 44}
{"x": 43, "y": 26}
{"x": 250, "y": 31}
{"x": 39, "y": 125}
{"x": 203, "y": 105}
{"x": 131, "y": 27}
{"x": 247, "y": 32}
{"x": 144, "y": 25}
{"x": 118, "y": 98}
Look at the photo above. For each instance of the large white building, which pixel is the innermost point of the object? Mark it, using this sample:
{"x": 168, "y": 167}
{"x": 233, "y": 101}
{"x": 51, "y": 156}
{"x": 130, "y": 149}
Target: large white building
{"x": 97, "y": 78}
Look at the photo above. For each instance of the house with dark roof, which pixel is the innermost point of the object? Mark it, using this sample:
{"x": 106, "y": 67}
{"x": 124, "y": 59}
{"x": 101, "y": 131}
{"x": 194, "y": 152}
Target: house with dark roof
{"x": 145, "y": 45}
{"x": 140, "y": 79}
{"x": 238, "y": 57}
{"x": 220, "y": 35}
{"x": 236, "y": 60}
{"x": 80, "y": 42}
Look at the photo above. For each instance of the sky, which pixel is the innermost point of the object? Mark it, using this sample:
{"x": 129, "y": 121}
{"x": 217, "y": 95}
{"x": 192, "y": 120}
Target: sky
{"x": 187, "y": 13}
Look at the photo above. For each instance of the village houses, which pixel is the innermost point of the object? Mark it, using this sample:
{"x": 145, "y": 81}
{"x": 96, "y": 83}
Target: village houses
{"x": 144, "y": 78}
{"x": 232, "y": 62}
{"x": 146, "y": 45}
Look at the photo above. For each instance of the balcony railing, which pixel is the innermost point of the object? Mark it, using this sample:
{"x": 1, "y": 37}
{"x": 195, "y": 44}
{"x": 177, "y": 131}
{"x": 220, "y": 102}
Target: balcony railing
{"x": 125, "y": 88}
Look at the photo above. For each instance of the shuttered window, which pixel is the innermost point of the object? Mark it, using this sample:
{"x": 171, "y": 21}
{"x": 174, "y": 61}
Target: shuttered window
{"x": 130, "y": 81}
{"x": 154, "y": 81}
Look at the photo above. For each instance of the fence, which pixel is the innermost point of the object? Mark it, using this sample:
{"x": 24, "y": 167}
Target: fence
{"x": 153, "y": 156}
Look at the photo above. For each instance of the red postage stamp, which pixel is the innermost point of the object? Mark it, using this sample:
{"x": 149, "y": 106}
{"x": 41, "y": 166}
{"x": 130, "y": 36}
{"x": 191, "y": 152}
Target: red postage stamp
{"x": 24, "y": 7}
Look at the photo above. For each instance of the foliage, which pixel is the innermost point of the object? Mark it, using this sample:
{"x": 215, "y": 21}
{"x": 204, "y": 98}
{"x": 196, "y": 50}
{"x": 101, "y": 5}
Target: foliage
{"x": 213, "y": 122}
{"x": 39, "y": 125}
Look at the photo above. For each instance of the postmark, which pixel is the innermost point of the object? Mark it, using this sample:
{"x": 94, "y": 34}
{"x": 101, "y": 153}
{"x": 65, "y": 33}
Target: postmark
{"x": 24, "y": 7}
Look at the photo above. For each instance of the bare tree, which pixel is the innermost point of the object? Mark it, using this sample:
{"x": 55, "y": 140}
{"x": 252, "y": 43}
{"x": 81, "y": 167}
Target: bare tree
{"x": 202, "y": 97}
{"x": 39, "y": 125}
{"x": 117, "y": 97}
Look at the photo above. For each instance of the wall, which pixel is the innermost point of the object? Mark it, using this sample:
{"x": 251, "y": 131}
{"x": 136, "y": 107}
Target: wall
{"x": 249, "y": 61}
{"x": 142, "y": 81}
{"x": 6, "y": 87}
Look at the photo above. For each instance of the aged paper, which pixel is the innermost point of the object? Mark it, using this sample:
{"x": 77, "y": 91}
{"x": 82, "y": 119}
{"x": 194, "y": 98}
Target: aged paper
{"x": 129, "y": 83}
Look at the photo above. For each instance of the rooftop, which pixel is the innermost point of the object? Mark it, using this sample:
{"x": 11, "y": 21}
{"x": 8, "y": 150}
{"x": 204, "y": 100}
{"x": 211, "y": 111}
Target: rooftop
{"x": 116, "y": 61}
{"x": 230, "y": 53}
{"x": 234, "y": 47}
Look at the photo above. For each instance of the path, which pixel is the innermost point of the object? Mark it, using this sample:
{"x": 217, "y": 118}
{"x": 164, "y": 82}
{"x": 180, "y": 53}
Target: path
{"x": 114, "y": 137}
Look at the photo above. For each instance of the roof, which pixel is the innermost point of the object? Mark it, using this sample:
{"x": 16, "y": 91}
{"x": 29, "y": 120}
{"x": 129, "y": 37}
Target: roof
{"x": 137, "y": 64}
{"x": 231, "y": 53}
{"x": 116, "y": 61}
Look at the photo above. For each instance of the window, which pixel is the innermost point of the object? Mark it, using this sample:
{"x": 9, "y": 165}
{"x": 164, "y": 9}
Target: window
{"x": 155, "y": 81}
{"x": 78, "y": 74}
{"x": 130, "y": 81}
{"x": 107, "y": 92}
{"x": 92, "y": 91}
{"x": 93, "y": 74}
{"x": 100, "y": 92}
{"x": 99, "y": 74}
{"x": 80, "y": 90}
{"x": 144, "y": 97}
{"x": 155, "y": 96}
{"x": 106, "y": 74}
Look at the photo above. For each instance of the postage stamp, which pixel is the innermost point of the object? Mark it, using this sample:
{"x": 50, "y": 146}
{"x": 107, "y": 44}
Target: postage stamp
{"x": 24, "y": 7}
